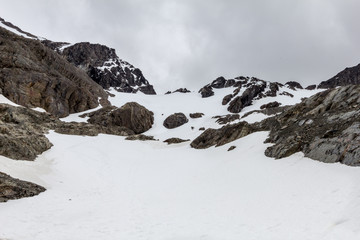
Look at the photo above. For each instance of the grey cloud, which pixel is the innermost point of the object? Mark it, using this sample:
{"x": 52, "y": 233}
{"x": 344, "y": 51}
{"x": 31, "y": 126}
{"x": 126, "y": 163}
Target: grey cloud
{"x": 189, "y": 43}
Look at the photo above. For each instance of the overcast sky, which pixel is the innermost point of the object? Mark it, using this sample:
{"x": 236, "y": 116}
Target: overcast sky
{"x": 189, "y": 43}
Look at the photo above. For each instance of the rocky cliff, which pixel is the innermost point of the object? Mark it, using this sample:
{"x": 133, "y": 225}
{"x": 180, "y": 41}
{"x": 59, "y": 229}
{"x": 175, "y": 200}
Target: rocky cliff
{"x": 33, "y": 75}
{"x": 103, "y": 66}
{"x": 348, "y": 76}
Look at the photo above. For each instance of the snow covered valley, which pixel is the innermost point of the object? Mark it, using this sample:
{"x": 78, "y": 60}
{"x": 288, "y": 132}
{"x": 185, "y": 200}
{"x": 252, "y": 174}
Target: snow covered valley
{"x": 106, "y": 187}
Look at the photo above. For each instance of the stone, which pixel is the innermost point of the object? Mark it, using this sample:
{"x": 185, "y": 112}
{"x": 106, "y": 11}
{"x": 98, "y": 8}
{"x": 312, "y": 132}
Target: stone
{"x": 270, "y": 105}
{"x": 227, "y": 99}
{"x": 103, "y": 66}
{"x": 196, "y": 115}
{"x": 12, "y": 188}
{"x": 218, "y": 137}
{"x": 175, "y": 140}
{"x": 294, "y": 85}
{"x": 227, "y": 118}
{"x": 311, "y": 87}
{"x": 238, "y": 103}
{"x": 131, "y": 115}
{"x": 231, "y": 148}
{"x": 175, "y": 120}
{"x": 141, "y": 137}
{"x": 206, "y": 92}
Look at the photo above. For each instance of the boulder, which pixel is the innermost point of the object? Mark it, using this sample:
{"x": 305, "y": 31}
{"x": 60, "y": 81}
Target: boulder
{"x": 227, "y": 99}
{"x": 294, "y": 85}
{"x": 206, "y": 92}
{"x": 238, "y": 103}
{"x": 131, "y": 115}
{"x": 196, "y": 115}
{"x": 12, "y": 188}
{"x": 217, "y": 137}
{"x": 270, "y": 105}
{"x": 175, "y": 120}
{"x": 311, "y": 87}
{"x": 175, "y": 140}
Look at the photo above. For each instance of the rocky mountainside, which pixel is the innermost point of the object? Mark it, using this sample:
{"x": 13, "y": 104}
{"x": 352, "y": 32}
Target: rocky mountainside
{"x": 325, "y": 127}
{"x": 348, "y": 76}
{"x": 33, "y": 75}
{"x": 246, "y": 90}
{"x": 103, "y": 66}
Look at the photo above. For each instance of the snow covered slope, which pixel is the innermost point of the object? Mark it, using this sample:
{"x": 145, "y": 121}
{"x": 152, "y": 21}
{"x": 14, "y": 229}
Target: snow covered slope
{"x": 106, "y": 187}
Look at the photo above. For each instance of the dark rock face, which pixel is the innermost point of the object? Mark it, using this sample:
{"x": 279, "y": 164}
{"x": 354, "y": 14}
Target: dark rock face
{"x": 132, "y": 116}
{"x": 231, "y": 148}
{"x": 246, "y": 98}
{"x": 141, "y": 137}
{"x": 270, "y": 105}
{"x": 294, "y": 85}
{"x": 22, "y": 132}
{"x": 346, "y": 77}
{"x": 227, "y": 99}
{"x": 103, "y": 65}
{"x": 12, "y": 188}
{"x": 175, "y": 120}
{"x": 217, "y": 137}
{"x": 196, "y": 115}
{"x": 227, "y": 118}
{"x": 33, "y": 75}
{"x": 175, "y": 140}
{"x": 86, "y": 129}
{"x": 206, "y": 92}
{"x": 182, "y": 90}
{"x": 311, "y": 87}
{"x": 325, "y": 127}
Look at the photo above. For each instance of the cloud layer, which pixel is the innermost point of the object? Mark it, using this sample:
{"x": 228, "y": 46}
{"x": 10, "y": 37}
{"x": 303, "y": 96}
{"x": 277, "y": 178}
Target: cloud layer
{"x": 189, "y": 43}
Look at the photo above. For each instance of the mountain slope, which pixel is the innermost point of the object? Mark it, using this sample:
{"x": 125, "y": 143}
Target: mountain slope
{"x": 33, "y": 75}
{"x": 103, "y": 65}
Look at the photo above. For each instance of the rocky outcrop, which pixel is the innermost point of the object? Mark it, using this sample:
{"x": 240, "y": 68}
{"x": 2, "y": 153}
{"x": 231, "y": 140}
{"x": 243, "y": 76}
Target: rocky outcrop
{"x": 12, "y": 188}
{"x": 217, "y": 137}
{"x": 246, "y": 98}
{"x": 17, "y": 29}
{"x": 141, "y": 137}
{"x": 131, "y": 115}
{"x": 175, "y": 140}
{"x": 182, "y": 90}
{"x": 196, "y": 115}
{"x": 206, "y": 92}
{"x": 293, "y": 85}
{"x": 103, "y": 65}
{"x": 175, "y": 120}
{"x": 22, "y": 132}
{"x": 311, "y": 87}
{"x": 270, "y": 105}
{"x": 87, "y": 129}
{"x": 227, "y": 118}
{"x": 33, "y": 75}
{"x": 348, "y": 76}
{"x": 324, "y": 127}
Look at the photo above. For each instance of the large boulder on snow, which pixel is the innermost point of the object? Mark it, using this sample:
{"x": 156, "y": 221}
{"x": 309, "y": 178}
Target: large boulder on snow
{"x": 175, "y": 120}
{"x": 131, "y": 115}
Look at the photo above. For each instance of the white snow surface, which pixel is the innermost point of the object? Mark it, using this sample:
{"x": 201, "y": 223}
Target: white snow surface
{"x": 106, "y": 187}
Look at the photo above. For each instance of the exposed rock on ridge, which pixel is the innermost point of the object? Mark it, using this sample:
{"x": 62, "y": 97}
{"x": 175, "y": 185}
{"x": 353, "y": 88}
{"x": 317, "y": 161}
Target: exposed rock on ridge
{"x": 33, "y": 75}
{"x": 346, "y": 77}
{"x": 103, "y": 65}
